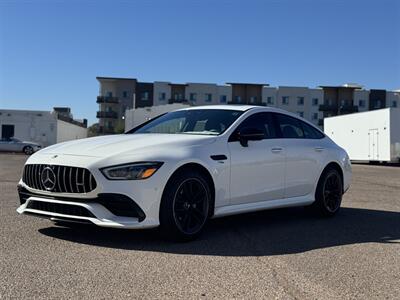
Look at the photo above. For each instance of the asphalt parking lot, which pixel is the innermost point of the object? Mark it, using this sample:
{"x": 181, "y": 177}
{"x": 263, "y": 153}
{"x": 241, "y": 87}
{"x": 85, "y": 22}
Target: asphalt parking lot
{"x": 285, "y": 254}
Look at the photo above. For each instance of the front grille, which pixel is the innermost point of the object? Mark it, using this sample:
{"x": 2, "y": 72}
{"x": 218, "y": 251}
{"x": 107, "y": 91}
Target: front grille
{"x": 66, "y": 179}
{"x": 65, "y": 209}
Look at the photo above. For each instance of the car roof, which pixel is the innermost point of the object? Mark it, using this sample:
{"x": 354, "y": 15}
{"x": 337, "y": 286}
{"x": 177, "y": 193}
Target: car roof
{"x": 237, "y": 107}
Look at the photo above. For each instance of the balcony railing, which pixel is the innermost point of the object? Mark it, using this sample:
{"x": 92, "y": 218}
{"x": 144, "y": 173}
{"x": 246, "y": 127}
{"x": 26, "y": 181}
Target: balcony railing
{"x": 348, "y": 108}
{"x": 107, "y": 114}
{"x": 328, "y": 107}
{"x": 107, "y": 99}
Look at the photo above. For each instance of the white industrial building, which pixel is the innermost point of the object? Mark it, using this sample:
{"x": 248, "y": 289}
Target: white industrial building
{"x": 367, "y": 136}
{"x": 43, "y": 127}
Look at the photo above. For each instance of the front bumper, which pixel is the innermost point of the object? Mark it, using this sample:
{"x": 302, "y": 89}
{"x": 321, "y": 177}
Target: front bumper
{"x": 145, "y": 193}
{"x": 106, "y": 210}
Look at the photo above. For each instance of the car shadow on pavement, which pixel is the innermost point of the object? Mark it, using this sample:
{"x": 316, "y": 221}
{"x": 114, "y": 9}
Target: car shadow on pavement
{"x": 273, "y": 232}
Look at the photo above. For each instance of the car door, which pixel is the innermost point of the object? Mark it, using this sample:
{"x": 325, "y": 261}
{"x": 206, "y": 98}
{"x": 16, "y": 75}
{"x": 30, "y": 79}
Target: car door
{"x": 257, "y": 171}
{"x": 15, "y": 145}
{"x": 304, "y": 152}
{"x": 6, "y": 144}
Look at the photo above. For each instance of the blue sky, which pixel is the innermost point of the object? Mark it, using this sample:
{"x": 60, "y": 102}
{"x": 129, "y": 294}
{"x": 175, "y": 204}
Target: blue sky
{"x": 51, "y": 51}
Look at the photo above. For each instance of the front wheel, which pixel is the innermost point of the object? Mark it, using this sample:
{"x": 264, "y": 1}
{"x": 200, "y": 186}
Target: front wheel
{"x": 328, "y": 196}
{"x": 185, "y": 206}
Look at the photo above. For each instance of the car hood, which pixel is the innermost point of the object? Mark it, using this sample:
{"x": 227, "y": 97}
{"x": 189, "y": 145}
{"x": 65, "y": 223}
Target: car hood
{"x": 126, "y": 144}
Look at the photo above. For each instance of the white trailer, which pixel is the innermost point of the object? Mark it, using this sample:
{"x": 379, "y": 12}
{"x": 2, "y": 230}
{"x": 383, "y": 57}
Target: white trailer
{"x": 367, "y": 136}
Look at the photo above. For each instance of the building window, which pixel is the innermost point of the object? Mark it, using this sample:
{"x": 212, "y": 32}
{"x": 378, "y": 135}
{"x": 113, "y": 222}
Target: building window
{"x": 285, "y": 100}
{"x": 125, "y": 94}
{"x": 394, "y": 103}
{"x": 315, "y": 101}
{"x": 178, "y": 96}
{"x": 222, "y": 98}
{"x": 144, "y": 96}
{"x": 109, "y": 94}
{"x": 253, "y": 99}
{"x": 162, "y": 96}
{"x": 300, "y": 114}
{"x": 378, "y": 104}
{"x": 193, "y": 96}
{"x": 270, "y": 100}
{"x": 208, "y": 98}
{"x": 300, "y": 100}
{"x": 361, "y": 103}
{"x": 315, "y": 116}
{"x": 238, "y": 99}
{"x": 109, "y": 125}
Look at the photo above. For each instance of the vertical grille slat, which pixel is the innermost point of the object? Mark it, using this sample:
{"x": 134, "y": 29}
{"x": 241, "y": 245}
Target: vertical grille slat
{"x": 31, "y": 175}
{"x": 58, "y": 179}
{"x": 38, "y": 175}
{"x": 68, "y": 179}
{"x": 64, "y": 179}
{"x": 76, "y": 179}
{"x": 83, "y": 180}
{"x": 36, "y": 170}
{"x": 35, "y": 176}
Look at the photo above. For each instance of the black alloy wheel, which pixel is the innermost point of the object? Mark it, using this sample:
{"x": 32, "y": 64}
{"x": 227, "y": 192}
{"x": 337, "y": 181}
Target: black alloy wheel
{"x": 190, "y": 206}
{"x": 186, "y": 205}
{"x": 332, "y": 192}
{"x": 328, "y": 196}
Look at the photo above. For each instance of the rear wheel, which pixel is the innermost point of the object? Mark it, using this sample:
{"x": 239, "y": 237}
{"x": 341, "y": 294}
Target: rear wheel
{"x": 329, "y": 193}
{"x": 185, "y": 206}
{"x": 28, "y": 150}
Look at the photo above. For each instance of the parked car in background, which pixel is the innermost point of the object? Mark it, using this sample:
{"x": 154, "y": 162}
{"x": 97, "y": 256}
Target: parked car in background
{"x": 16, "y": 145}
{"x": 180, "y": 169}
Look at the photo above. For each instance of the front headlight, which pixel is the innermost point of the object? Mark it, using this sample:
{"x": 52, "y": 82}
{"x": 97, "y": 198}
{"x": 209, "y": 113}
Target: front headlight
{"x": 133, "y": 171}
{"x": 347, "y": 163}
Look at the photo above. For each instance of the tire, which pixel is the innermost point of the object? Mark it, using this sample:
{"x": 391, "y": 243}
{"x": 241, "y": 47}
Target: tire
{"x": 185, "y": 206}
{"x": 28, "y": 150}
{"x": 329, "y": 193}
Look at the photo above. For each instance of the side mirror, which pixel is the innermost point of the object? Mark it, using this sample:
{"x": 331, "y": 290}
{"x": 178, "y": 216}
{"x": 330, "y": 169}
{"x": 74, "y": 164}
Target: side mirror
{"x": 249, "y": 134}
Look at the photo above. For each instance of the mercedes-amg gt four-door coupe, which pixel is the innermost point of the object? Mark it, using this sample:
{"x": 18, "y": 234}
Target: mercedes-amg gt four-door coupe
{"x": 180, "y": 169}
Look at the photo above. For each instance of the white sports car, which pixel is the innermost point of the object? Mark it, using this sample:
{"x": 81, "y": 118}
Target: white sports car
{"x": 182, "y": 168}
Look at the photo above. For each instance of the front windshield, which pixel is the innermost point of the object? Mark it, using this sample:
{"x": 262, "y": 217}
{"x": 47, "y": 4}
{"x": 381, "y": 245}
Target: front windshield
{"x": 192, "y": 121}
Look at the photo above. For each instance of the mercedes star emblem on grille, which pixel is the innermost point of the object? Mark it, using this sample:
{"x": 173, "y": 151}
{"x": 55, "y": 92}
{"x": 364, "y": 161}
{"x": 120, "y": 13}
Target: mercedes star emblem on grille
{"x": 48, "y": 178}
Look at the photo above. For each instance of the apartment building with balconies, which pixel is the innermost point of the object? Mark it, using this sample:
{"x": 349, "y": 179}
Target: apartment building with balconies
{"x": 247, "y": 93}
{"x": 339, "y": 100}
{"x": 116, "y": 95}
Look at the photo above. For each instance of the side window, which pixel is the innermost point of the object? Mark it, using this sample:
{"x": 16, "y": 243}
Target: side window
{"x": 310, "y": 132}
{"x": 290, "y": 127}
{"x": 260, "y": 121}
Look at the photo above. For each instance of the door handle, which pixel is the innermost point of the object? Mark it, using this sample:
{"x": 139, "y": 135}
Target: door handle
{"x": 276, "y": 149}
{"x": 319, "y": 149}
